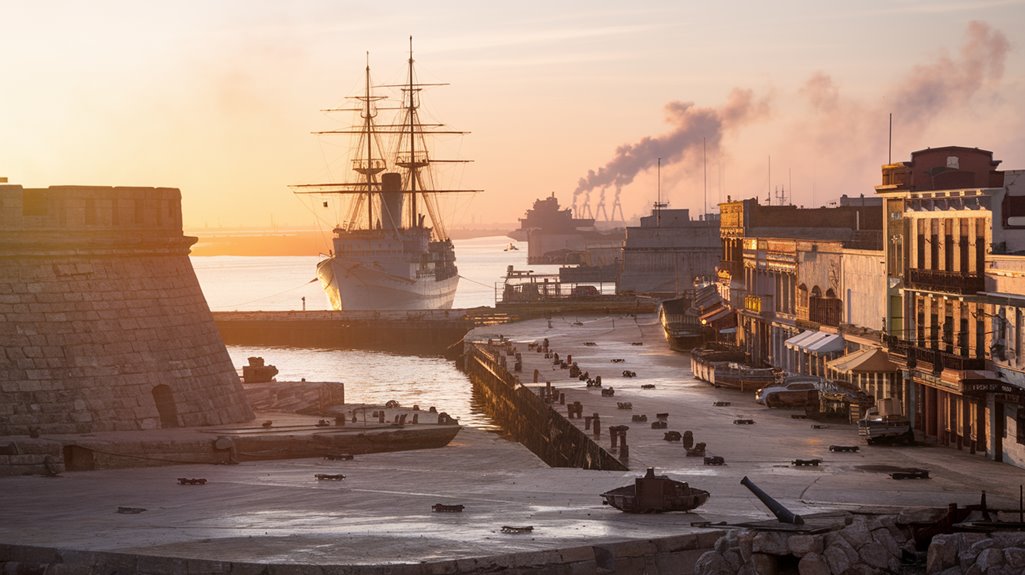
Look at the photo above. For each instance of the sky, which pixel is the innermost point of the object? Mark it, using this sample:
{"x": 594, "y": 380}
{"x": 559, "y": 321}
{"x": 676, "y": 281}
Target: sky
{"x": 738, "y": 99}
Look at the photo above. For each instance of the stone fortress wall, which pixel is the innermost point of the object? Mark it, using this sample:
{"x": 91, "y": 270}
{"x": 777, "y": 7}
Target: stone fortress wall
{"x": 103, "y": 326}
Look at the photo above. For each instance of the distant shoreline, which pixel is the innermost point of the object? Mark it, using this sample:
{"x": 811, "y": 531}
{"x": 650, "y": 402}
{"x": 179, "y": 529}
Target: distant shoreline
{"x": 287, "y": 242}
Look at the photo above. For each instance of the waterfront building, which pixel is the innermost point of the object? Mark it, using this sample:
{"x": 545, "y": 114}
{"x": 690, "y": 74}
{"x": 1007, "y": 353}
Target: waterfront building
{"x": 954, "y": 230}
{"x": 669, "y": 253}
{"x": 781, "y": 268}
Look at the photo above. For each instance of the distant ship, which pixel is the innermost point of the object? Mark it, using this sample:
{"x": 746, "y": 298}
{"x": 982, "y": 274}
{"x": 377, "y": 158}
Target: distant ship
{"x": 547, "y": 215}
{"x": 386, "y": 255}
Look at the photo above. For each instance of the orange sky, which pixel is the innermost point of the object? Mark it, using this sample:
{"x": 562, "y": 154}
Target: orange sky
{"x": 219, "y": 98}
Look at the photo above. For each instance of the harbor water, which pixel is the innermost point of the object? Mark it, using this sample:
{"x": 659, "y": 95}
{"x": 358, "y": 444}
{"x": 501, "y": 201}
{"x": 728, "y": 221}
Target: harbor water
{"x": 280, "y": 283}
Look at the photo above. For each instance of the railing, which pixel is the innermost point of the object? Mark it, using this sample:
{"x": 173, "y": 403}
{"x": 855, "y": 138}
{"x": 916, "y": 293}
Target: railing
{"x": 945, "y": 281}
{"x": 937, "y": 359}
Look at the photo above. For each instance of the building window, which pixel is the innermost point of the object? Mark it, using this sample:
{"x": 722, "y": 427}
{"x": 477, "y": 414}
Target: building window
{"x": 1020, "y": 424}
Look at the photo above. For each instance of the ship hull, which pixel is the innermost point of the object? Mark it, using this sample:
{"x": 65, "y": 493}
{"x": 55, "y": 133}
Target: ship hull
{"x": 357, "y": 286}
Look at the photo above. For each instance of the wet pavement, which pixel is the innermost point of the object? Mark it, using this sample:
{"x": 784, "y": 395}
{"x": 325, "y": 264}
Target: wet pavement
{"x": 278, "y": 512}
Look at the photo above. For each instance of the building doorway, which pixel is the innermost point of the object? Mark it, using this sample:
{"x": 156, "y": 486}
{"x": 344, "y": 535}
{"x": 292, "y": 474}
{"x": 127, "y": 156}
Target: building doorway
{"x": 164, "y": 400}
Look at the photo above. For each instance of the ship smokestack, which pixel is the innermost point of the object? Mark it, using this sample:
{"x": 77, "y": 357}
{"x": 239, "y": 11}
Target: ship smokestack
{"x": 391, "y": 200}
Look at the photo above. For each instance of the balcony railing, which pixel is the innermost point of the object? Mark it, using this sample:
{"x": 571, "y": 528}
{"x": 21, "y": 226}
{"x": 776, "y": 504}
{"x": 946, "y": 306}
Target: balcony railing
{"x": 944, "y": 281}
{"x": 936, "y": 359}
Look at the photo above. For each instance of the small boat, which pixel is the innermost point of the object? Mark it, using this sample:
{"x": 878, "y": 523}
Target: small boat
{"x": 655, "y": 494}
{"x": 723, "y": 368}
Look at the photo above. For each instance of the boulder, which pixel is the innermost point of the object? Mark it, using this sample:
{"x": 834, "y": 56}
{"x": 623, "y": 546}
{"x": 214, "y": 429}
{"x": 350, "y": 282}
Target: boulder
{"x": 837, "y": 559}
{"x": 813, "y": 564}
{"x": 771, "y": 542}
{"x": 1015, "y": 557}
{"x": 942, "y": 554}
{"x": 874, "y": 555}
{"x": 801, "y": 545}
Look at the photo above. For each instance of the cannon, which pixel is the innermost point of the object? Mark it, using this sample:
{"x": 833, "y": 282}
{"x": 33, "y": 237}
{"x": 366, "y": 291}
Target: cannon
{"x": 783, "y": 514}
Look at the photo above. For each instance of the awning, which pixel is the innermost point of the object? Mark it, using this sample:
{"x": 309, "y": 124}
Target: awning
{"x": 706, "y": 298}
{"x": 718, "y": 314}
{"x": 831, "y": 343}
{"x": 869, "y": 360}
{"x": 794, "y": 341}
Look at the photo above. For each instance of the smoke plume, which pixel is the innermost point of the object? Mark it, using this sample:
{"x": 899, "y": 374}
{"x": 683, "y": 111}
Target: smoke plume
{"x": 690, "y": 124}
{"x": 950, "y": 81}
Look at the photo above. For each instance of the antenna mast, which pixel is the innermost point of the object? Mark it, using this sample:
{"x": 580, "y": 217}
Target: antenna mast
{"x": 704, "y": 171}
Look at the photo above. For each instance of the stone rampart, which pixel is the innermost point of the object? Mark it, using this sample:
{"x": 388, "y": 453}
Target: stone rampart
{"x": 103, "y": 326}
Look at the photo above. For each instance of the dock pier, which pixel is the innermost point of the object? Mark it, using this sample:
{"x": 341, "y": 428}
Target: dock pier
{"x": 421, "y": 332}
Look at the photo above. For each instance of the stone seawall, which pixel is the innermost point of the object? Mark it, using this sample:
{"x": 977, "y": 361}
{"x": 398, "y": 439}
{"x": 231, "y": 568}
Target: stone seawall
{"x": 103, "y": 326}
{"x": 664, "y": 556}
{"x": 530, "y": 419}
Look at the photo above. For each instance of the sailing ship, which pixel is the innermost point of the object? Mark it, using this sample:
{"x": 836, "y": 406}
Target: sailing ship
{"x": 392, "y": 252}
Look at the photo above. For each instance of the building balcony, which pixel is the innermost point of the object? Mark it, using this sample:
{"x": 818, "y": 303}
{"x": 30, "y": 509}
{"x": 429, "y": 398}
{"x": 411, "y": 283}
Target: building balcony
{"x": 945, "y": 281}
{"x": 926, "y": 358}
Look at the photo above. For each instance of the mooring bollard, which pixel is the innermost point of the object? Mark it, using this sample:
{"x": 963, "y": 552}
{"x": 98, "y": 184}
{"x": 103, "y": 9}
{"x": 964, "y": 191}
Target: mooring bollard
{"x": 597, "y": 425}
{"x": 562, "y": 398}
{"x": 688, "y": 439}
{"x": 624, "y": 452}
{"x": 537, "y": 376}
{"x": 587, "y": 422}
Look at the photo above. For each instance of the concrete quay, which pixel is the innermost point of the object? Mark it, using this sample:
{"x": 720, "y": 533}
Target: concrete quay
{"x": 276, "y": 517}
{"x": 763, "y": 451}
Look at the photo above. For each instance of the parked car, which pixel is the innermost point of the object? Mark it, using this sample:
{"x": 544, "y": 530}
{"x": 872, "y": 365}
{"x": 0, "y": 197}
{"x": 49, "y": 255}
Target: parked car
{"x": 793, "y": 392}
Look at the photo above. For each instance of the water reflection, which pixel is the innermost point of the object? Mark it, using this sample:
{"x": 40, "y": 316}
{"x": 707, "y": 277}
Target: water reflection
{"x": 377, "y": 377}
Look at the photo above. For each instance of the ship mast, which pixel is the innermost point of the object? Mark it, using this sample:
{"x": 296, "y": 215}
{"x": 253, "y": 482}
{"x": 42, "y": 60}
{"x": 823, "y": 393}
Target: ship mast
{"x": 409, "y": 155}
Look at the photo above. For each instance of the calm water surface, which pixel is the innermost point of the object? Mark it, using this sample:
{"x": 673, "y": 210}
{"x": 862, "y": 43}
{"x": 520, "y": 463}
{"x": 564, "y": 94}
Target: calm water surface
{"x": 252, "y": 283}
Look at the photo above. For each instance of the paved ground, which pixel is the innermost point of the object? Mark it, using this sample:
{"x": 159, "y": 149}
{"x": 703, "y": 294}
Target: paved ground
{"x": 278, "y": 512}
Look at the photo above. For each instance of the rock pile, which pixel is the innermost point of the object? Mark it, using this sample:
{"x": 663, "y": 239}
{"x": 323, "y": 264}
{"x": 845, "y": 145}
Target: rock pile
{"x": 865, "y": 545}
{"x": 971, "y": 553}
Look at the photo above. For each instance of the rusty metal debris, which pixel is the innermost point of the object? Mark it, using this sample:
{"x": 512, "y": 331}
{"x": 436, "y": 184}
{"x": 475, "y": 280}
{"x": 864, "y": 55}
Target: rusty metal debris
{"x": 806, "y": 462}
{"x": 639, "y": 418}
{"x": 743, "y": 422}
{"x": 659, "y": 424}
{"x": 329, "y": 477}
{"x": 697, "y": 451}
{"x": 191, "y": 481}
{"x": 339, "y": 457}
{"x": 844, "y": 448}
{"x": 911, "y": 473}
{"x": 782, "y": 514}
{"x": 720, "y": 404}
{"x": 628, "y": 373}
{"x": 442, "y": 508}
{"x": 715, "y": 460}
{"x": 672, "y": 436}
{"x": 608, "y": 392}
{"x": 130, "y": 510}
{"x": 517, "y": 530}
{"x": 625, "y": 405}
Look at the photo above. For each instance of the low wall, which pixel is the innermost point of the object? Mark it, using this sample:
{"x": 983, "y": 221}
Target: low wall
{"x": 529, "y": 418}
{"x": 666, "y": 556}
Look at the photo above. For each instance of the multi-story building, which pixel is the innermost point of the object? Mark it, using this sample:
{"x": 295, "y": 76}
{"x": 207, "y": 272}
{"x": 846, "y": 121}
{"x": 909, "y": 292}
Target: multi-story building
{"x": 668, "y": 252}
{"x": 950, "y": 216}
{"x": 781, "y": 268}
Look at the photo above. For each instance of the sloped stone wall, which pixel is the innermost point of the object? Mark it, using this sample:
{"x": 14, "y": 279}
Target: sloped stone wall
{"x": 103, "y": 326}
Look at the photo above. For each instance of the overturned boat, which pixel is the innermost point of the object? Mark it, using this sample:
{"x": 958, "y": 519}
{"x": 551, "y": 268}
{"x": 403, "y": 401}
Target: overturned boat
{"x": 655, "y": 494}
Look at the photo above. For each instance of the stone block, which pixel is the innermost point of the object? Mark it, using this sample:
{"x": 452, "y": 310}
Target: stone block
{"x": 771, "y": 542}
{"x": 575, "y": 554}
{"x": 801, "y": 545}
{"x": 712, "y": 563}
{"x": 875, "y": 555}
{"x": 764, "y": 564}
{"x": 1015, "y": 557}
{"x": 942, "y": 554}
{"x": 813, "y": 564}
{"x": 837, "y": 559}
